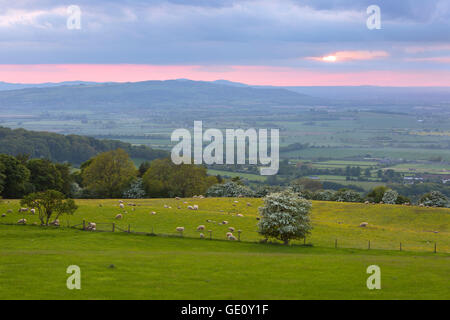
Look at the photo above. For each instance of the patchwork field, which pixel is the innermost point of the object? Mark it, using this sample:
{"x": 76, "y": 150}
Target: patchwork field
{"x": 33, "y": 260}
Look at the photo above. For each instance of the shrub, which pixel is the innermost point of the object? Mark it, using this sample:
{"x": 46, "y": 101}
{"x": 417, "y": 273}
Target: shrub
{"x": 377, "y": 193}
{"x": 229, "y": 189}
{"x": 136, "y": 190}
{"x": 390, "y": 197}
{"x": 346, "y": 195}
{"x": 325, "y": 195}
{"x": 285, "y": 216}
{"x": 434, "y": 199}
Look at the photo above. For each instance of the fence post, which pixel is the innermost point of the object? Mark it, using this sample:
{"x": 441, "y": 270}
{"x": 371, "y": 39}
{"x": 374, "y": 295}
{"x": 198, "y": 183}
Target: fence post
{"x": 128, "y": 228}
{"x": 239, "y": 235}
{"x": 210, "y": 234}
{"x": 435, "y": 249}
{"x": 84, "y": 225}
{"x": 113, "y": 227}
{"x": 369, "y": 245}
{"x": 335, "y": 244}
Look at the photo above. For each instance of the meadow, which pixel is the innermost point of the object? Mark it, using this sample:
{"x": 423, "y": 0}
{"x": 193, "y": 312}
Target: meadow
{"x": 33, "y": 259}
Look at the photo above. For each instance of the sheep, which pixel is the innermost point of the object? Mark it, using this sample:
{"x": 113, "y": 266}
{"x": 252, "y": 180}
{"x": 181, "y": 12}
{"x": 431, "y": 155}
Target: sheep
{"x": 249, "y": 204}
{"x": 23, "y": 209}
{"x": 232, "y": 238}
{"x": 239, "y": 215}
{"x": 367, "y": 202}
{"x": 119, "y": 216}
{"x": 122, "y": 206}
{"x": 229, "y": 234}
{"x": 201, "y": 197}
{"x": 364, "y": 224}
{"x": 185, "y": 202}
{"x": 235, "y": 201}
{"x": 200, "y": 228}
{"x": 9, "y": 211}
{"x": 231, "y": 229}
{"x": 224, "y": 222}
{"x": 33, "y": 211}
{"x": 195, "y": 207}
{"x": 202, "y": 236}
{"x": 22, "y": 221}
{"x": 91, "y": 226}
{"x": 180, "y": 229}
{"x": 55, "y": 223}
{"x": 120, "y": 201}
{"x": 153, "y": 213}
{"x": 3, "y": 215}
{"x": 177, "y": 198}
{"x": 166, "y": 206}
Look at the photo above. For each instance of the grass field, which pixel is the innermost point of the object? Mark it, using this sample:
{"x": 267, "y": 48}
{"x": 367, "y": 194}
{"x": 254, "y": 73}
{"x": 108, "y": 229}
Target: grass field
{"x": 33, "y": 260}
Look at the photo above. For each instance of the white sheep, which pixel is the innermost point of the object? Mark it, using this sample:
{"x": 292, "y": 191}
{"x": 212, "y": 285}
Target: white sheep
{"x": 180, "y": 229}
{"x": 190, "y": 207}
{"x": 55, "y": 223}
{"x": 9, "y": 211}
{"x": 3, "y": 215}
{"x": 231, "y": 229}
{"x": 165, "y": 206}
{"x": 202, "y": 235}
{"x": 33, "y": 211}
{"x": 229, "y": 234}
{"x": 91, "y": 226}
{"x": 22, "y": 221}
{"x": 224, "y": 222}
{"x": 195, "y": 207}
{"x": 23, "y": 209}
{"x": 232, "y": 238}
{"x": 122, "y": 206}
{"x": 119, "y": 216}
{"x": 201, "y": 228}
{"x": 239, "y": 215}
{"x": 153, "y": 213}
{"x": 364, "y": 224}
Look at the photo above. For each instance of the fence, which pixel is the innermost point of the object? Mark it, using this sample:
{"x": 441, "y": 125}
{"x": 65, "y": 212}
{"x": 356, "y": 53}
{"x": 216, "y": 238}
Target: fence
{"x": 209, "y": 235}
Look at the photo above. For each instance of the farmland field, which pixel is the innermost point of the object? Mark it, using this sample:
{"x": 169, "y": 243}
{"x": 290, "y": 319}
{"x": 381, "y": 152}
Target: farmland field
{"x": 121, "y": 265}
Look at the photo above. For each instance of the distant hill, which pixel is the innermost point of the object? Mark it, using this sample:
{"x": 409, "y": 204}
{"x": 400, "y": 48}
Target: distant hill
{"x": 71, "y": 148}
{"x": 17, "y": 86}
{"x": 148, "y": 95}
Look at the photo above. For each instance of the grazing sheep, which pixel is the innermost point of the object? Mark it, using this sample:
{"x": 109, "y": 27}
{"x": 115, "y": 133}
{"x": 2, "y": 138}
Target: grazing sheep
{"x": 185, "y": 202}
{"x": 166, "y": 206}
{"x": 119, "y": 216}
{"x": 367, "y": 202}
{"x": 122, "y": 206}
{"x": 91, "y": 226}
{"x": 22, "y": 221}
{"x": 9, "y": 211}
{"x": 421, "y": 205}
{"x": 209, "y": 220}
{"x": 180, "y": 229}
{"x": 190, "y": 207}
{"x": 177, "y": 198}
{"x": 231, "y": 229}
{"x": 249, "y": 204}
{"x": 232, "y": 238}
{"x": 179, "y": 207}
{"x": 229, "y": 234}
{"x": 23, "y": 209}
{"x": 224, "y": 222}
{"x": 201, "y": 228}
{"x": 55, "y": 223}
{"x": 195, "y": 207}
{"x": 381, "y": 202}
{"x": 3, "y": 215}
{"x": 201, "y": 197}
{"x": 153, "y": 213}
{"x": 364, "y": 224}
{"x": 33, "y": 211}
{"x": 202, "y": 236}
{"x": 239, "y": 215}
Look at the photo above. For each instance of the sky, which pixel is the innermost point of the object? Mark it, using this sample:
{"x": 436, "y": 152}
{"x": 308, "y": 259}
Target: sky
{"x": 259, "y": 42}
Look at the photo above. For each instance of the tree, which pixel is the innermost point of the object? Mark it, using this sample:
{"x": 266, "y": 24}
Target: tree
{"x": 434, "y": 199}
{"x": 347, "y": 195}
{"x": 377, "y": 193}
{"x": 390, "y": 197}
{"x": 285, "y": 217}
{"x": 14, "y": 176}
{"x": 229, "y": 189}
{"x": 136, "y": 190}
{"x": 48, "y": 203}
{"x": 44, "y": 175}
{"x": 306, "y": 184}
{"x": 165, "y": 179}
{"x": 109, "y": 174}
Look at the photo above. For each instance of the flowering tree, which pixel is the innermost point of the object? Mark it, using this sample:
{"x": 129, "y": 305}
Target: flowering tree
{"x": 285, "y": 216}
{"x": 434, "y": 199}
{"x": 390, "y": 197}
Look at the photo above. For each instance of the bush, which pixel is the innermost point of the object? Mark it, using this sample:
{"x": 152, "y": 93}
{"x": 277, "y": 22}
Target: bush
{"x": 325, "y": 195}
{"x": 434, "y": 199}
{"x": 346, "y": 195}
{"x": 390, "y": 197}
{"x": 136, "y": 190}
{"x": 376, "y": 195}
{"x": 229, "y": 189}
{"x": 285, "y": 216}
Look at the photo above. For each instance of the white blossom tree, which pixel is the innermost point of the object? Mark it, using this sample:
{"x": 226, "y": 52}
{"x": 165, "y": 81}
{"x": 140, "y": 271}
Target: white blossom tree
{"x": 285, "y": 216}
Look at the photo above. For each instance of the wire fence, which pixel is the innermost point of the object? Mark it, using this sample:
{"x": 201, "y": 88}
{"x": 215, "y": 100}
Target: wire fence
{"x": 239, "y": 236}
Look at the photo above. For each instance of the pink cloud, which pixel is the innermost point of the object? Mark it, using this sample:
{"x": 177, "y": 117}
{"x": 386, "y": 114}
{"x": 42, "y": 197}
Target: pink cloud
{"x": 341, "y": 56}
{"x": 431, "y": 59}
{"x": 255, "y": 75}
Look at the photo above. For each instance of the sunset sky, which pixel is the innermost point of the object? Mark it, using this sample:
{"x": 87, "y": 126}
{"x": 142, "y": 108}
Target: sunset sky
{"x": 265, "y": 42}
